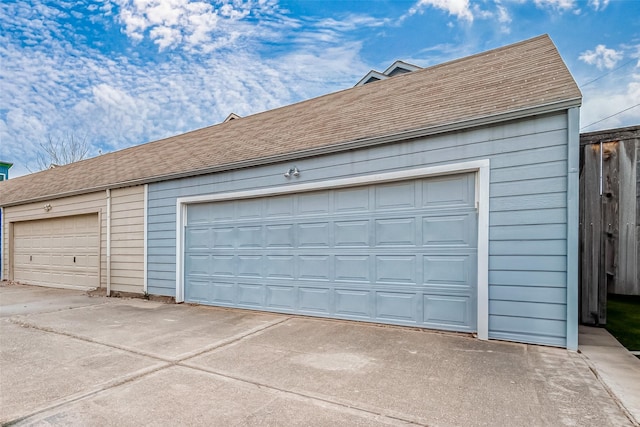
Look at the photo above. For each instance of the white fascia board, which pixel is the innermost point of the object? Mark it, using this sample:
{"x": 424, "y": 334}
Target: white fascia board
{"x": 480, "y": 167}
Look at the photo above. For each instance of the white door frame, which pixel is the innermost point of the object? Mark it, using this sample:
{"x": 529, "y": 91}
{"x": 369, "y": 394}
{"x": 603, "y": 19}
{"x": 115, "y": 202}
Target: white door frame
{"x": 480, "y": 167}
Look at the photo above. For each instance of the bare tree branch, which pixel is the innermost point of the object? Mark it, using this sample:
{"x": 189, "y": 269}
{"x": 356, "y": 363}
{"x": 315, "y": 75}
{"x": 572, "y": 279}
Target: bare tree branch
{"x": 61, "y": 151}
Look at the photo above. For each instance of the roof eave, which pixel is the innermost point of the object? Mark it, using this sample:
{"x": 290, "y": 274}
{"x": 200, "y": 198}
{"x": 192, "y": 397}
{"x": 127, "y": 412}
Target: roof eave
{"x": 330, "y": 149}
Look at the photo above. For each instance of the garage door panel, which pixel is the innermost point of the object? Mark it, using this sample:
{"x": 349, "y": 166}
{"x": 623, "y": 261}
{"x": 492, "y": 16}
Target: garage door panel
{"x": 315, "y": 300}
{"x": 314, "y": 267}
{"x": 313, "y": 235}
{"x": 353, "y": 303}
{"x": 199, "y": 290}
{"x": 396, "y": 269}
{"x": 251, "y": 295}
{"x": 224, "y": 293}
{"x": 279, "y": 206}
{"x": 249, "y": 237}
{"x": 197, "y": 238}
{"x": 400, "y": 253}
{"x": 198, "y": 264}
{"x": 279, "y": 266}
{"x": 353, "y": 268}
{"x": 448, "y": 269}
{"x": 313, "y": 204}
{"x": 280, "y": 236}
{"x": 222, "y": 237}
{"x": 451, "y": 191}
{"x": 246, "y": 209}
{"x": 61, "y": 251}
{"x": 395, "y": 232}
{"x": 351, "y": 200}
{"x": 352, "y": 233}
{"x": 449, "y": 230}
{"x": 447, "y": 311}
{"x": 222, "y": 265}
{"x": 395, "y": 196}
{"x": 397, "y": 306}
{"x": 281, "y": 297}
{"x": 250, "y": 266}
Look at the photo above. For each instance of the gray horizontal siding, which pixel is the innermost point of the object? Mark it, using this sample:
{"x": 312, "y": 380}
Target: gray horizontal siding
{"x": 527, "y": 278}
{"x": 527, "y": 232}
{"x": 527, "y": 212}
{"x": 528, "y": 329}
{"x": 528, "y": 293}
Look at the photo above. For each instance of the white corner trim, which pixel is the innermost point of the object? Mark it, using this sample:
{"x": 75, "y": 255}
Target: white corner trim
{"x": 108, "y": 242}
{"x": 481, "y": 167}
{"x": 145, "y": 229}
{"x": 3, "y": 252}
{"x": 181, "y": 221}
{"x": 482, "y": 185}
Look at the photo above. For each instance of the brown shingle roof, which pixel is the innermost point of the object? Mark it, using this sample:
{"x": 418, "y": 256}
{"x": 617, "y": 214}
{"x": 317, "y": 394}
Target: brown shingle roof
{"x": 515, "y": 78}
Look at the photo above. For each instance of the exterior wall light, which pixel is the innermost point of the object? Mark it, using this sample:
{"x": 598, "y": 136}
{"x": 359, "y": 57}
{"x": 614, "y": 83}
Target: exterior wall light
{"x": 293, "y": 171}
{"x": 47, "y": 207}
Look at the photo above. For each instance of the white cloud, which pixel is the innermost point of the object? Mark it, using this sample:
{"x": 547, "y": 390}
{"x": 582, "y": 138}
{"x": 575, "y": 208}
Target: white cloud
{"x": 560, "y": 5}
{"x": 54, "y": 87}
{"x": 601, "y": 101}
{"x": 351, "y": 22}
{"x": 194, "y": 25}
{"x": 599, "y": 5}
{"x": 601, "y": 57}
{"x": 458, "y": 8}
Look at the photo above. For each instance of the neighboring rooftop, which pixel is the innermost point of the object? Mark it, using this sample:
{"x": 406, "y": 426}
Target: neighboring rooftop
{"x": 505, "y": 83}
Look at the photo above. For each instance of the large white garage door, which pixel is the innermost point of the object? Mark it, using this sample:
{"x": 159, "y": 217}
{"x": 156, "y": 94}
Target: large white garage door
{"x": 62, "y": 252}
{"x": 400, "y": 253}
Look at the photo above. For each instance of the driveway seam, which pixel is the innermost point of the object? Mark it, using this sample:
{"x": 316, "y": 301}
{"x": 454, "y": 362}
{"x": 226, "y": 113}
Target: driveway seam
{"x": 83, "y": 395}
{"x": 86, "y": 339}
{"x": 304, "y": 396}
{"x": 174, "y": 360}
{"x": 165, "y": 363}
{"x": 57, "y": 310}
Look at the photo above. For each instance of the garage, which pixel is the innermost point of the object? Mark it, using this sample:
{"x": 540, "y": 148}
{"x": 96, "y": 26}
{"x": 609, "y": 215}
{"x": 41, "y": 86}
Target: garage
{"x": 444, "y": 198}
{"x": 401, "y": 252}
{"x": 60, "y": 252}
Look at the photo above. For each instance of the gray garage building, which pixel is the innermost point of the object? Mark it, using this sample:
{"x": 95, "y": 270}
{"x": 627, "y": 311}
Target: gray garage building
{"x": 443, "y": 198}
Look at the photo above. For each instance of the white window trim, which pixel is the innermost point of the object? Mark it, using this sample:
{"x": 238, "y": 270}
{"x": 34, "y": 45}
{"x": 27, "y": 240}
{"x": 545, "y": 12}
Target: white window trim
{"x": 480, "y": 167}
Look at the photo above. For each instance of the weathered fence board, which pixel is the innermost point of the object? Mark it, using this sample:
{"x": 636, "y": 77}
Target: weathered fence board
{"x": 609, "y": 219}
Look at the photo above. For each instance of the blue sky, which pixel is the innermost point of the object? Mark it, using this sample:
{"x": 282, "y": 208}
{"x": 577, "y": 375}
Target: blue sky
{"x": 125, "y": 72}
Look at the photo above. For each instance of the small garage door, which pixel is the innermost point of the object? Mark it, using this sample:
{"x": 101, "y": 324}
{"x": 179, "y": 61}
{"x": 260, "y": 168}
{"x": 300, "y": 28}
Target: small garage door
{"x": 60, "y": 251}
{"x": 400, "y": 253}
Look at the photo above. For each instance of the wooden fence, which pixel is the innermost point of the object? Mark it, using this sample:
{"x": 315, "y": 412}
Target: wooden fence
{"x": 609, "y": 219}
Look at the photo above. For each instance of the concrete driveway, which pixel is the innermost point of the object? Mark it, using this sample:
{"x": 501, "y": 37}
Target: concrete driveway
{"x": 70, "y": 359}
